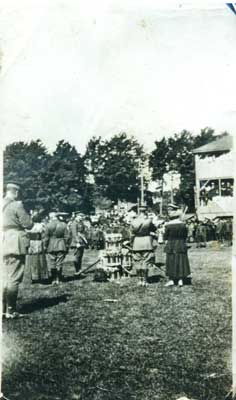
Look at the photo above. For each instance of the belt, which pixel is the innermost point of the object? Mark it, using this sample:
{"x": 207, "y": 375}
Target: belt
{"x": 139, "y": 235}
{"x": 35, "y": 236}
{"x": 16, "y": 228}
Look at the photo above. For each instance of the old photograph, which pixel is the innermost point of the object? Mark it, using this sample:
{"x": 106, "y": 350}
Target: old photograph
{"x": 117, "y": 141}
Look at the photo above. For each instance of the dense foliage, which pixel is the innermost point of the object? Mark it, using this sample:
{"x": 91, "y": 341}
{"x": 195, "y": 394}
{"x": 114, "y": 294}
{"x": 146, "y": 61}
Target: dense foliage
{"x": 114, "y": 164}
{"x": 175, "y": 154}
{"x": 109, "y": 170}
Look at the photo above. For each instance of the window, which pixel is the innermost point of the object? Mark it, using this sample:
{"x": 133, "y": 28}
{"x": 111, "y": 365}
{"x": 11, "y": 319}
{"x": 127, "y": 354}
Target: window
{"x": 226, "y": 187}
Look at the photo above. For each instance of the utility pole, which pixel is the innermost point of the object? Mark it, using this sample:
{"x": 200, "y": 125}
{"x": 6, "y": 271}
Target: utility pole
{"x": 161, "y": 203}
{"x": 142, "y": 188}
{"x": 171, "y": 188}
{"x": 141, "y": 171}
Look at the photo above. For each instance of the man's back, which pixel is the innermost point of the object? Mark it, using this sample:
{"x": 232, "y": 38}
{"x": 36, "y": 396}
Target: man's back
{"x": 15, "y": 216}
{"x": 15, "y": 221}
{"x": 56, "y": 236}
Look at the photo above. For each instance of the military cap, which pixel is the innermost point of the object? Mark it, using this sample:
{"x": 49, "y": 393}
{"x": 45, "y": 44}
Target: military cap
{"x": 78, "y": 217}
{"x": 172, "y": 206}
{"x": 12, "y": 185}
{"x": 52, "y": 214}
{"x": 143, "y": 208}
{"x": 62, "y": 213}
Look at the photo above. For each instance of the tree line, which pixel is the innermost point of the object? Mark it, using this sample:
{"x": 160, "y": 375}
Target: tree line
{"x": 107, "y": 172}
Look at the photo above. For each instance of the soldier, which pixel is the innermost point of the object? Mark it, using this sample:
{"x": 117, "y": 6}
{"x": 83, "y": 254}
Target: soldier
{"x": 143, "y": 254}
{"x": 15, "y": 246}
{"x": 56, "y": 245}
{"x": 229, "y": 231}
{"x": 220, "y": 231}
{"x": 201, "y": 234}
{"x": 78, "y": 242}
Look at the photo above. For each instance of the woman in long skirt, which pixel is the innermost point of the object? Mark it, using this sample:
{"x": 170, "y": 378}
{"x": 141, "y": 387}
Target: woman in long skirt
{"x": 36, "y": 258}
{"x": 177, "y": 262}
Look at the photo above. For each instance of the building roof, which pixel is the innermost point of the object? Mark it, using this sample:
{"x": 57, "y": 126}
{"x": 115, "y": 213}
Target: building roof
{"x": 221, "y": 144}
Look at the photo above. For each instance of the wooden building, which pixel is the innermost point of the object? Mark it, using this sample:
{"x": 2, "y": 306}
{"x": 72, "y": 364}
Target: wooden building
{"x": 214, "y": 167}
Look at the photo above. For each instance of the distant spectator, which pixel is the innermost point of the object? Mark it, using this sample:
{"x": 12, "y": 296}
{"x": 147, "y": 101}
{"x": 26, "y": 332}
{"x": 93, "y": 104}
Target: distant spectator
{"x": 201, "y": 234}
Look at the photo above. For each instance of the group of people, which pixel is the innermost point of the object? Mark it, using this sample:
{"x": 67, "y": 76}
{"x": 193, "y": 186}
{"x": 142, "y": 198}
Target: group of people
{"x": 43, "y": 247}
{"x": 201, "y": 232}
{"x": 49, "y": 244}
{"x": 211, "y": 190}
{"x": 42, "y": 244}
{"x": 175, "y": 235}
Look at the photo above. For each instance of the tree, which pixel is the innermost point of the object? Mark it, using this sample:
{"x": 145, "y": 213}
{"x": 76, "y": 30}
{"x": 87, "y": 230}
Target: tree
{"x": 65, "y": 179}
{"x": 159, "y": 159}
{"x": 115, "y": 165}
{"x": 175, "y": 154}
{"x": 24, "y": 163}
{"x": 56, "y": 181}
{"x": 206, "y": 136}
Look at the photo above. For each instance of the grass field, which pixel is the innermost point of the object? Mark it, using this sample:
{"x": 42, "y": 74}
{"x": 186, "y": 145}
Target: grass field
{"x": 154, "y": 343}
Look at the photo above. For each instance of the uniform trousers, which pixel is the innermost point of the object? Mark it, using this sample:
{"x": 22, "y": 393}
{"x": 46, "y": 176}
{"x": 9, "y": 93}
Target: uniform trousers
{"x": 78, "y": 253}
{"x": 13, "y": 273}
{"x": 143, "y": 259}
{"x": 55, "y": 260}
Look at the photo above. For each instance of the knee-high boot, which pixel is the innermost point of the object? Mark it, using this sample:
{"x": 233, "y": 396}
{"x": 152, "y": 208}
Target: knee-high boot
{"x": 58, "y": 276}
{"x": 4, "y": 301}
{"x": 53, "y": 275}
{"x": 11, "y": 298}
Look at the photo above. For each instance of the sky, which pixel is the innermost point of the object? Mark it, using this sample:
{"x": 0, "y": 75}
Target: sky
{"x": 73, "y": 69}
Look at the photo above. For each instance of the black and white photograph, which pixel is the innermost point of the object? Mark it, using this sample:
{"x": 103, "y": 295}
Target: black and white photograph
{"x": 117, "y": 123}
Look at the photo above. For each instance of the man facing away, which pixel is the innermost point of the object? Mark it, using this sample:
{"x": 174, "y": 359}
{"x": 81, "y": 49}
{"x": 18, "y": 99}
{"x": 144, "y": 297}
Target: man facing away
{"x": 15, "y": 246}
{"x": 78, "y": 242}
{"x": 56, "y": 244}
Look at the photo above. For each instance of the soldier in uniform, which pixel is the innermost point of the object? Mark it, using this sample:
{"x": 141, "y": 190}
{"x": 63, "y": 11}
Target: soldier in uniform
{"x": 201, "y": 234}
{"x": 56, "y": 245}
{"x": 15, "y": 246}
{"x": 78, "y": 242}
{"x": 143, "y": 254}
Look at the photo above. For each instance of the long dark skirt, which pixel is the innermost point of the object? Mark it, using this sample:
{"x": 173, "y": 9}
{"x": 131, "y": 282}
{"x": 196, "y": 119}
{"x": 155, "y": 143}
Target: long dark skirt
{"x": 177, "y": 265}
{"x": 37, "y": 265}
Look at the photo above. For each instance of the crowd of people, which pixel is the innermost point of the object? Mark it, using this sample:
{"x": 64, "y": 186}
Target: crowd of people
{"x": 207, "y": 230}
{"x": 41, "y": 243}
{"x": 212, "y": 189}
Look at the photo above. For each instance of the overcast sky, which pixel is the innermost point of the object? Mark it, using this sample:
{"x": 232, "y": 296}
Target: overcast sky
{"x": 74, "y": 69}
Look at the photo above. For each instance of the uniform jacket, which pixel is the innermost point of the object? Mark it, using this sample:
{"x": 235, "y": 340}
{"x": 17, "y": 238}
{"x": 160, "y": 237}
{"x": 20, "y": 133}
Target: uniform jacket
{"x": 15, "y": 221}
{"x": 77, "y": 232}
{"x": 56, "y": 237}
{"x": 176, "y": 234}
{"x": 141, "y": 229}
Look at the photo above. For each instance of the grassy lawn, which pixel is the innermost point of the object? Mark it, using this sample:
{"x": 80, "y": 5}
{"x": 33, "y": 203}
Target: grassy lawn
{"x": 154, "y": 343}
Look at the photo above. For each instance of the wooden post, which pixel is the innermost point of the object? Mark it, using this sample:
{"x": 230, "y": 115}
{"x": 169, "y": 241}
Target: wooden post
{"x": 142, "y": 188}
{"x": 161, "y": 202}
{"x": 171, "y": 188}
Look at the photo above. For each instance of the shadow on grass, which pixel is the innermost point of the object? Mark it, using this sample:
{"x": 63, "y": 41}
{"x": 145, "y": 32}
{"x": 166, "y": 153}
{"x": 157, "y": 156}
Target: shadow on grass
{"x": 72, "y": 278}
{"x": 42, "y": 303}
{"x": 154, "y": 279}
{"x": 156, "y": 273}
